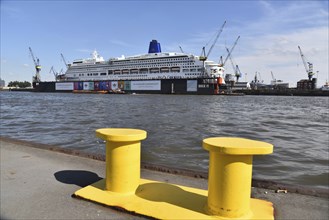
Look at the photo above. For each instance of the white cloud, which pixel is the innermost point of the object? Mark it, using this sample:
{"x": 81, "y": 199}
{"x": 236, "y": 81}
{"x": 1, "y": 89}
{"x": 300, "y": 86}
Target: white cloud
{"x": 268, "y": 51}
{"x": 279, "y": 16}
{"x": 84, "y": 50}
{"x": 120, "y": 43}
{"x": 270, "y": 44}
{"x": 279, "y": 53}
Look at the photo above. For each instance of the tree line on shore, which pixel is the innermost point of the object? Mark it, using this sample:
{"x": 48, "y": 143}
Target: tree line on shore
{"x": 24, "y": 84}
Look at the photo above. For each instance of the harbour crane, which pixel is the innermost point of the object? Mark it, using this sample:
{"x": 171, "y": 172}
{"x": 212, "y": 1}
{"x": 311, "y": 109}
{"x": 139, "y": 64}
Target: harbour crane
{"x": 229, "y": 52}
{"x": 273, "y": 78}
{"x": 36, "y": 61}
{"x": 308, "y": 65}
{"x": 53, "y": 71}
{"x": 274, "y": 81}
{"x": 66, "y": 64}
{"x": 257, "y": 83}
{"x": 238, "y": 73}
{"x": 57, "y": 75}
{"x": 221, "y": 59}
{"x": 235, "y": 67}
{"x": 260, "y": 78}
{"x": 203, "y": 57}
{"x": 181, "y": 49}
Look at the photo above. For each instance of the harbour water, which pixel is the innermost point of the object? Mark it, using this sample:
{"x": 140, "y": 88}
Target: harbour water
{"x": 298, "y": 127}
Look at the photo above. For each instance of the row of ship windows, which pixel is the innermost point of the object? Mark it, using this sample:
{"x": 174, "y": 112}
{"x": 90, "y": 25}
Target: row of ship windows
{"x": 154, "y": 60}
{"x": 167, "y": 61}
{"x": 95, "y": 74}
{"x": 90, "y": 74}
{"x": 151, "y": 70}
{"x": 145, "y": 70}
{"x": 155, "y": 64}
{"x": 139, "y": 66}
{"x": 159, "y": 64}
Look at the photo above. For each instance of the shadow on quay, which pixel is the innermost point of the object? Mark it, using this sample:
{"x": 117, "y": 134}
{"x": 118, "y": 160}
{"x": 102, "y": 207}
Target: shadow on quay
{"x": 80, "y": 178}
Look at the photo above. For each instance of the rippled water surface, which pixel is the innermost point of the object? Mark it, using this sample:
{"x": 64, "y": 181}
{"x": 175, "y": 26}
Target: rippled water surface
{"x": 298, "y": 127}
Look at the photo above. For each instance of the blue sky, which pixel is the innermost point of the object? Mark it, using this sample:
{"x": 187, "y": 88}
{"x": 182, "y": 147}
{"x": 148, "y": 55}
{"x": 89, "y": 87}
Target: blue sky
{"x": 270, "y": 33}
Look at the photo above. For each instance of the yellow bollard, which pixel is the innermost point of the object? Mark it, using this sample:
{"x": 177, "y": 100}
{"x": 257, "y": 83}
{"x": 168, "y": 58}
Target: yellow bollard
{"x": 230, "y": 174}
{"x": 123, "y": 149}
{"x": 228, "y": 195}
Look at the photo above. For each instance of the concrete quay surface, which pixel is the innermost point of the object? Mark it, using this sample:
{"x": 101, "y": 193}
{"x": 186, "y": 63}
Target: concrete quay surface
{"x": 38, "y": 183}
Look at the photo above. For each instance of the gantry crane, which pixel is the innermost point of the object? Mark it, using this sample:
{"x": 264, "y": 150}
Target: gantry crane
{"x": 36, "y": 78}
{"x": 308, "y": 65}
{"x": 203, "y": 57}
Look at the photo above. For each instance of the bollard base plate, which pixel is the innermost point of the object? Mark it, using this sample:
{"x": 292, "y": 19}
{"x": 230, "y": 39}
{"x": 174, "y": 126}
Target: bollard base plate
{"x": 165, "y": 201}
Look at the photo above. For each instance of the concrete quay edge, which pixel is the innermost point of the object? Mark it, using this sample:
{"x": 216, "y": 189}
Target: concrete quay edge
{"x": 37, "y": 182}
{"x": 266, "y": 184}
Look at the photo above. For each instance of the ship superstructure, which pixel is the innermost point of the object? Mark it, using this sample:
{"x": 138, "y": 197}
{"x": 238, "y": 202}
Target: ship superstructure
{"x": 150, "y": 66}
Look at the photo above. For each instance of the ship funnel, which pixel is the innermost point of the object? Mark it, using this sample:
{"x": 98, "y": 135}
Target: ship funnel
{"x": 154, "y": 47}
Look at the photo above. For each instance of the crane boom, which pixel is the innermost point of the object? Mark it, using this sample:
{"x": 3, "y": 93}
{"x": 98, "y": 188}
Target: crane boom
{"x": 308, "y": 65}
{"x": 215, "y": 41}
{"x": 34, "y": 60}
{"x": 64, "y": 60}
{"x": 52, "y": 70}
{"x": 181, "y": 49}
{"x": 303, "y": 59}
{"x": 203, "y": 56}
{"x": 273, "y": 76}
{"x": 37, "y": 66}
{"x": 230, "y": 51}
{"x": 238, "y": 73}
{"x": 235, "y": 67}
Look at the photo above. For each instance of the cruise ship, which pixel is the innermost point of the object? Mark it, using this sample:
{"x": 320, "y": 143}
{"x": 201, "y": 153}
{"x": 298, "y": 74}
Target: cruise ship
{"x": 157, "y": 71}
{"x": 154, "y": 65}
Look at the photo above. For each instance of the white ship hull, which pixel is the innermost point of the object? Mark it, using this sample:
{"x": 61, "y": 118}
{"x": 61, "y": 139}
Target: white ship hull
{"x": 151, "y": 66}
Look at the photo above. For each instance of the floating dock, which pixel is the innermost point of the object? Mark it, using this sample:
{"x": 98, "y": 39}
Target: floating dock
{"x": 166, "y": 86}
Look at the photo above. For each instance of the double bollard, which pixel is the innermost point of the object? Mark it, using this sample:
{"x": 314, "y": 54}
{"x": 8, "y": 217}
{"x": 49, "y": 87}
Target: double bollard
{"x": 230, "y": 169}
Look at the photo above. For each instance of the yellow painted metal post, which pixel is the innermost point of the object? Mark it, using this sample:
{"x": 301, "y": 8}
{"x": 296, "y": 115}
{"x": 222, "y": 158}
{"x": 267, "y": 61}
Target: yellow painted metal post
{"x": 230, "y": 174}
{"x": 228, "y": 195}
{"x": 123, "y": 149}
